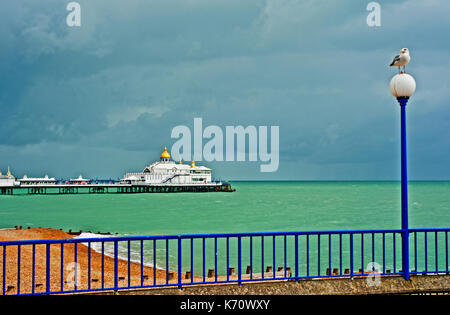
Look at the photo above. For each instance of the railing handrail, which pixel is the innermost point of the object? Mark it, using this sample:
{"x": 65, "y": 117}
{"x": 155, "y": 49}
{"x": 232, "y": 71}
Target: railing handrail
{"x": 429, "y": 230}
{"x": 215, "y": 235}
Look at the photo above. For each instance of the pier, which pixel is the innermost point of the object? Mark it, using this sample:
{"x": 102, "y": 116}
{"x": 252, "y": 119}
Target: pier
{"x": 115, "y": 188}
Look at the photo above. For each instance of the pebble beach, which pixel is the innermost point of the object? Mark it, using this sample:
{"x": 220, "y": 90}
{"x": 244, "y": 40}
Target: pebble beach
{"x": 11, "y": 282}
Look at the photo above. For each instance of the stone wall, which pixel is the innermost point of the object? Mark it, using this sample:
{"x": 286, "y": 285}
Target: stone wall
{"x": 355, "y": 286}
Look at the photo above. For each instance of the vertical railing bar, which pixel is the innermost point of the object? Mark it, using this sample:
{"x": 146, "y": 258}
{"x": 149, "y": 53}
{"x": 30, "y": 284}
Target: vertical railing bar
{"x": 33, "y": 276}
{"x": 351, "y": 254}
{"x": 436, "y": 250}
{"x": 384, "y": 252}
{"x": 285, "y": 256}
{"x": 395, "y": 251}
{"x": 116, "y": 265}
{"x": 415, "y": 251}
{"x": 128, "y": 262}
{"x": 4, "y": 270}
{"x": 142, "y": 262}
{"x": 426, "y": 252}
{"x": 76, "y": 266}
{"x": 47, "y": 273}
{"x": 103, "y": 265}
{"x": 179, "y": 263}
{"x": 273, "y": 256}
{"x": 228, "y": 258}
{"x": 251, "y": 257}
{"x": 62, "y": 268}
{"x": 329, "y": 254}
{"x": 446, "y": 251}
{"x": 262, "y": 257}
{"x": 296, "y": 258}
{"x": 340, "y": 254}
{"x": 192, "y": 260}
{"x": 307, "y": 255}
{"x": 373, "y": 247}
{"x": 239, "y": 260}
{"x": 18, "y": 268}
{"x": 89, "y": 265}
{"x": 154, "y": 262}
{"x": 215, "y": 259}
{"x": 362, "y": 253}
{"x": 167, "y": 261}
{"x": 204, "y": 259}
{"x": 318, "y": 255}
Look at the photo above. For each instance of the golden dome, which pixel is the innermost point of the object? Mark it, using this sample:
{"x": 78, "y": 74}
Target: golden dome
{"x": 165, "y": 154}
{"x": 193, "y": 164}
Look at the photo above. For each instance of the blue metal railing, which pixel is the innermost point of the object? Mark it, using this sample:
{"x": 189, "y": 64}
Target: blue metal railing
{"x": 120, "y": 263}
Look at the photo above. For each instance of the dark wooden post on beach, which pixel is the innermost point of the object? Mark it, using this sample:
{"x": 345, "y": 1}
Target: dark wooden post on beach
{"x": 211, "y": 273}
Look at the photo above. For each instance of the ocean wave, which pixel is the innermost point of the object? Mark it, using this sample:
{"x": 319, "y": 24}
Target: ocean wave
{"x": 135, "y": 253}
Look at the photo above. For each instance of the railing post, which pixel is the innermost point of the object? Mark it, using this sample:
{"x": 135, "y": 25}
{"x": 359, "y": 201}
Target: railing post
{"x": 351, "y": 254}
{"x": 116, "y": 265}
{"x": 179, "y": 263}
{"x": 296, "y": 257}
{"x": 47, "y": 273}
{"x": 239, "y": 260}
{"x": 405, "y": 231}
{"x": 4, "y": 270}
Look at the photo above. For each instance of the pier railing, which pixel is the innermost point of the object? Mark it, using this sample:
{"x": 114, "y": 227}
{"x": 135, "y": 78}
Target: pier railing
{"x": 121, "y": 263}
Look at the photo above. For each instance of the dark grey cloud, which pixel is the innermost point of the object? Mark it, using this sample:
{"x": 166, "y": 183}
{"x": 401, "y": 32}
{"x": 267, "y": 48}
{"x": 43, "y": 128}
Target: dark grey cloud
{"x": 104, "y": 97}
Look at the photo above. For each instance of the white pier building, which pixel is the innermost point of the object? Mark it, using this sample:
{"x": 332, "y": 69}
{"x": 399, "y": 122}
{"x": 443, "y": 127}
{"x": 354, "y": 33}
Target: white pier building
{"x": 168, "y": 172}
{"x": 28, "y": 181}
{"x": 80, "y": 180}
{"x": 7, "y": 180}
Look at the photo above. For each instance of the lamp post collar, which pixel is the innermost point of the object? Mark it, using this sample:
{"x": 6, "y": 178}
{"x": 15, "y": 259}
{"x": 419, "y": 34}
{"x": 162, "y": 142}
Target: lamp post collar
{"x": 403, "y": 100}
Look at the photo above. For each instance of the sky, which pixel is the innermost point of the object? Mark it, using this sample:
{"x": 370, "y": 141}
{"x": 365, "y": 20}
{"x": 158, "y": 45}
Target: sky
{"x": 102, "y": 99}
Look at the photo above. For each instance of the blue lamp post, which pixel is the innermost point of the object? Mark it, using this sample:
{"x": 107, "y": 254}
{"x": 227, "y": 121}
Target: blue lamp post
{"x": 403, "y": 86}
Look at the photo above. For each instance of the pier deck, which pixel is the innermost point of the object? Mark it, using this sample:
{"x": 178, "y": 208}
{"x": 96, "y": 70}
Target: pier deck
{"x": 68, "y": 189}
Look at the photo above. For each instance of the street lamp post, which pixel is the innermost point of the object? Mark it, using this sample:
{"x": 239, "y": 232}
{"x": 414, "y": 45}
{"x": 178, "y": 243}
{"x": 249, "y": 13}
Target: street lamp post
{"x": 403, "y": 86}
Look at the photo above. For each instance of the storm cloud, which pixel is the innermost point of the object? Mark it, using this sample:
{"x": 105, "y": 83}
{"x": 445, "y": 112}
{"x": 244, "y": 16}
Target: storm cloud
{"x": 103, "y": 98}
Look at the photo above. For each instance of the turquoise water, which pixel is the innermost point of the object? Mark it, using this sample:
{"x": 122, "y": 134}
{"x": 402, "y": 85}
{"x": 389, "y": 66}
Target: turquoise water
{"x": 254, "y": 207}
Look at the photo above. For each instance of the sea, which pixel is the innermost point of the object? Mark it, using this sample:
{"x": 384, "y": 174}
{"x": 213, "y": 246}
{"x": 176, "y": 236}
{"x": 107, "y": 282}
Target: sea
{"x": 253, "y": 207}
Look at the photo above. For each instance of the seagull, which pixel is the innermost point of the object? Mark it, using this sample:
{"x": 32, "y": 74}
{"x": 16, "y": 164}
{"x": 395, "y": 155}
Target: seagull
{"x": 401, "y": 60}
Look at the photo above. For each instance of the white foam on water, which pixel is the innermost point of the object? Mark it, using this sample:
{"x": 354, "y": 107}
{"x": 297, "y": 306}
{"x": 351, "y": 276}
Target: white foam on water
{"x": 92, "y": 235}
{"x": 135, "y": 254}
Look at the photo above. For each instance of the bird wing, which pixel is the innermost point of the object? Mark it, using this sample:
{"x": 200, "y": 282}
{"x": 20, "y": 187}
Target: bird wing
{"x": 396, "y": 59}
